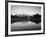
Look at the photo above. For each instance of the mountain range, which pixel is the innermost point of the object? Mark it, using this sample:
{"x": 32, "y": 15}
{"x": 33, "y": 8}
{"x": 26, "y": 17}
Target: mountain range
{"x": 26, "y": 18}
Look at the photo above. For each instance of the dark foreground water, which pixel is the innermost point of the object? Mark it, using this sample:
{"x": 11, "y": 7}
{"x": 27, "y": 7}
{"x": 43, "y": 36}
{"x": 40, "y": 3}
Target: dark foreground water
{"x": 25, "y": 26}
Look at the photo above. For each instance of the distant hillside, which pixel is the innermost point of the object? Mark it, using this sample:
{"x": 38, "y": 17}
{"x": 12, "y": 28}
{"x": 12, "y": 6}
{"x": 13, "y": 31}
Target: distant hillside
{"x": 21, "y": 18}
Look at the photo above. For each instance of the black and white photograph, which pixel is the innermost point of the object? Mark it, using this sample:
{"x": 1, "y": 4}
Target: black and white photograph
{"x": 25, "y": 18}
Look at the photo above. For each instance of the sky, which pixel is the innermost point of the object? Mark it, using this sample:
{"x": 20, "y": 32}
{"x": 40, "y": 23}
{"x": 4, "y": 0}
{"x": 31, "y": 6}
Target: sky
{"x": 29, "y": 10}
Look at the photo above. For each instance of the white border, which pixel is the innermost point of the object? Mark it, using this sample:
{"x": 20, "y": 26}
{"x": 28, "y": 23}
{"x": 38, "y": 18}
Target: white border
{"x": 23, "y": 32}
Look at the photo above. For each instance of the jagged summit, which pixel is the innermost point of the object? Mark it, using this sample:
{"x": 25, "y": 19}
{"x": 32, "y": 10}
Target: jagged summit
{"x": 36, "y": 16}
